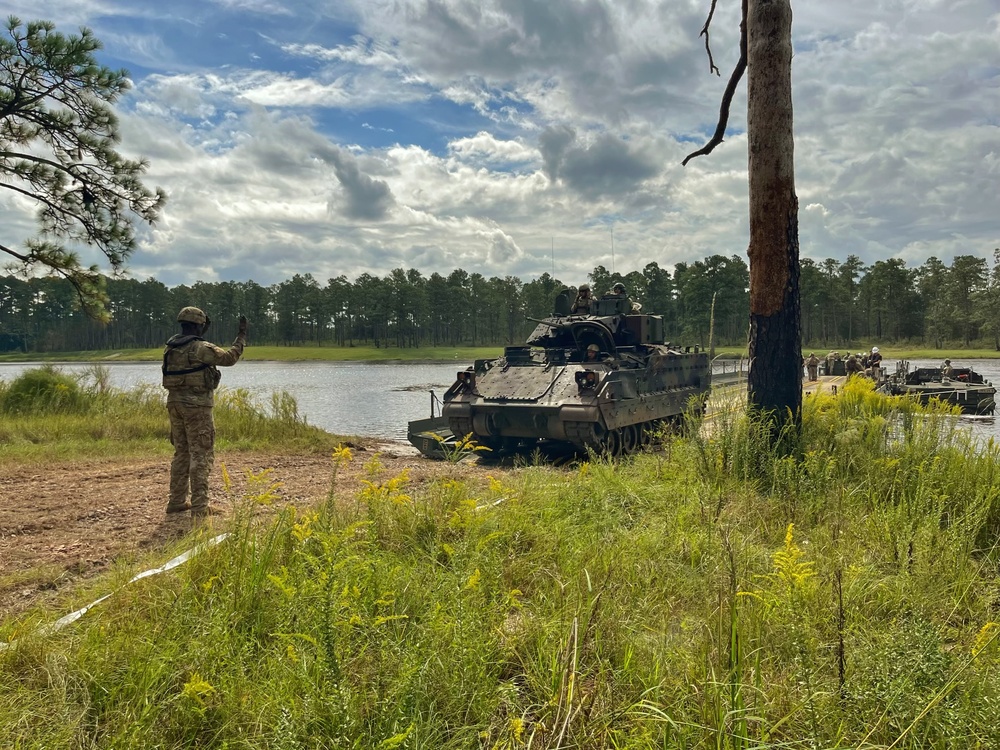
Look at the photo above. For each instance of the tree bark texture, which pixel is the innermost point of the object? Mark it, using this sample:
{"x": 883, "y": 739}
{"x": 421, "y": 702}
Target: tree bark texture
{"x": 775, "y": 380}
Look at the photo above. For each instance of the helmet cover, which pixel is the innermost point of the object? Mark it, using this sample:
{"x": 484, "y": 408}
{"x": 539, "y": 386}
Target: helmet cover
{"x": 192, "y": 315}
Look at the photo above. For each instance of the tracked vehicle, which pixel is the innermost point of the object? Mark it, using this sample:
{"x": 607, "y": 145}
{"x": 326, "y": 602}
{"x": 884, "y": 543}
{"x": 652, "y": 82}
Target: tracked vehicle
{"x": 610, "y": 399}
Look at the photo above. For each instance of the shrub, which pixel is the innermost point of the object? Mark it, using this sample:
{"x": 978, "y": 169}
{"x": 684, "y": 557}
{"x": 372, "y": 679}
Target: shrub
{"x": 42, "y": 390}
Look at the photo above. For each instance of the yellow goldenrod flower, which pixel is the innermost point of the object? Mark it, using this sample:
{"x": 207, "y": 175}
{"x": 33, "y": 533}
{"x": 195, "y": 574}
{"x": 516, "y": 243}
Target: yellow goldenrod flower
{"x": 986, "y": 635}
{"x": 197, "y": 689}
{"x": 473, "y": 580}
{"x": 517, "y": 728}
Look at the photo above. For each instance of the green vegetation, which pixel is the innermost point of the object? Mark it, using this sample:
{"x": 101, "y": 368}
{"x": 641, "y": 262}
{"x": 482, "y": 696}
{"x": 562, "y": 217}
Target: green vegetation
{"x": 47, "y": 415}
{"x": 715, "y": 594}
{"x": 933, "y": 307}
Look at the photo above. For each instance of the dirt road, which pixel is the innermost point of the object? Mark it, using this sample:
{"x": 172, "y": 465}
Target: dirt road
{"x": 63, "y": 523}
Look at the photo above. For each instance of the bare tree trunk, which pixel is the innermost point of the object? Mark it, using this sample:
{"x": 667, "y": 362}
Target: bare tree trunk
{"x": 775, "y": 380}
{"x": 711, "y": 330}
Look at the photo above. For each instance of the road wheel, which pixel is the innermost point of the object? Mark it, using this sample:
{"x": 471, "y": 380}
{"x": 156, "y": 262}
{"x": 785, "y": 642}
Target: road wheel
{"x": 612, "y": 443}
{"x": 630, "y": 439}
{"x": 645, "y": 433}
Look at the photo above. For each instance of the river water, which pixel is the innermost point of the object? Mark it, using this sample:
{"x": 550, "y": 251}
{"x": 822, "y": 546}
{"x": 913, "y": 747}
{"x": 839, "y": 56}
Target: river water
{"x": 371, "y": 400}
{"x": 346, "y": 398}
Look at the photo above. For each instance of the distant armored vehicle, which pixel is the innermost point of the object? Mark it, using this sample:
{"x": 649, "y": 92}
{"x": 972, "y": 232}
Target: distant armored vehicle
{"x": 961, "y": 386}
{"x": 604, "y": 380}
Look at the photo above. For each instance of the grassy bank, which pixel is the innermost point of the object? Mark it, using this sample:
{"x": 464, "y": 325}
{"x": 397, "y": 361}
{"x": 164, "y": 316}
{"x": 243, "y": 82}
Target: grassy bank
{"x": 717, "y": 594}
{"x": 47, "y": 416}
{"x": 462, "y": 355}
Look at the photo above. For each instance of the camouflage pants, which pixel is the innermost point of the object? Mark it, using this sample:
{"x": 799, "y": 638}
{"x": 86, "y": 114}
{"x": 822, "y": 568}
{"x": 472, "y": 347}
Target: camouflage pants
{"x": 192, "y": 432}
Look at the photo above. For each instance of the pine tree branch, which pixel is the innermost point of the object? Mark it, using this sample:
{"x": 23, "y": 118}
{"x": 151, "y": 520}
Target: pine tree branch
{"x": 41, "y": 199}
{"x": 727, "y": 96}
{"x": 56, "y": 105}
{"x": 22, "y": 258}
{"x": 36, "y": 159}
{"x": 708, "y": 48}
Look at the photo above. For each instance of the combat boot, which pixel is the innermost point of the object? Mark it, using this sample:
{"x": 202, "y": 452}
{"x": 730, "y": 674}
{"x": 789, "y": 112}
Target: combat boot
{"x": 178, "y": 507}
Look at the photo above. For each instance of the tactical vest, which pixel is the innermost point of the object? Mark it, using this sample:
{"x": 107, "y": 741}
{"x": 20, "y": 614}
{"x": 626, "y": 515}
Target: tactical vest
{"x": 180, "y": 371}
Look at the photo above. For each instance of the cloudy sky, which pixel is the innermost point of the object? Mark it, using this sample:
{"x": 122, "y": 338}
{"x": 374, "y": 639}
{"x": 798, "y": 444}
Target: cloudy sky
{"x": 523, "y": 136}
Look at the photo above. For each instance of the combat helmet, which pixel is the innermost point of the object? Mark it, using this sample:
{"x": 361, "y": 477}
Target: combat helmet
{"x": 618, "y": 288}
{"x": 192, "y": 315}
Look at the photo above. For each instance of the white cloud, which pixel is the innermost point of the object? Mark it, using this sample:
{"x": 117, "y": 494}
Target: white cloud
{"x": 263, "y": 7}
{"x": 373, "y": 134}
{"x": 487, "y": 148}
{"x": 360, "y": 52}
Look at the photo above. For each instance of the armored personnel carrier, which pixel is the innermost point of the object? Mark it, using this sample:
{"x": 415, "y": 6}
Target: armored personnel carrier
{"x": 604, "y": 380}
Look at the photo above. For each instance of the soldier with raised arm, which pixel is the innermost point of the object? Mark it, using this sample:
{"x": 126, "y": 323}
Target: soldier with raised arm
{"x": 191, "y": 375}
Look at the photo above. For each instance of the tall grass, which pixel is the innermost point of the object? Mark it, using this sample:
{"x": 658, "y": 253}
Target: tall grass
{"x": 721, "y": 594}
{"x": 48, "y": 415}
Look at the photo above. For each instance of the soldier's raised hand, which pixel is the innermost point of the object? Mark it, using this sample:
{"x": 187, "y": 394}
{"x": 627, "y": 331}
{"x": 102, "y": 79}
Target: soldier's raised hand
{"x": 243, "y": 325}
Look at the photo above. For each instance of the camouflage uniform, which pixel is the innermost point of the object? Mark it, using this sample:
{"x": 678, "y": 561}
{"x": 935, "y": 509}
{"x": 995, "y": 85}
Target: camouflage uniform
{"x": 875, "y": 362}
{"x": 853, "y": 366}
{"x": 812, "y": 365}
{"x": 190, "y": 375}
{"x": 581, "y": 305}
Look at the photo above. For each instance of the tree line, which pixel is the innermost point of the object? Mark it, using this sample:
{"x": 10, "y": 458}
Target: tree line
{"x": 842, "y": 302}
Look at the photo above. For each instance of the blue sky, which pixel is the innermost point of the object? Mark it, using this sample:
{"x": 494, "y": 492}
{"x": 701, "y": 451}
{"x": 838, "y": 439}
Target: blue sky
{"x": 508, "y": 137}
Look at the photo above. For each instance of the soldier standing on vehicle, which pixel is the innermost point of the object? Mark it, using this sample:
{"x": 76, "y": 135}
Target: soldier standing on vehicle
{"x": 581, "y": 305}
{"x": 812, "y": 365}
{"x": 875, "y": 362}
{"x": 947, "y": 370}
{"x": 191, "y": 375}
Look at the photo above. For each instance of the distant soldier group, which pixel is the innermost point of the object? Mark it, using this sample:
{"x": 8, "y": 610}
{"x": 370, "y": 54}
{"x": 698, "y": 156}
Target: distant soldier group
{"x": 584, "y": 302}
{"x": 862, "y": 363}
